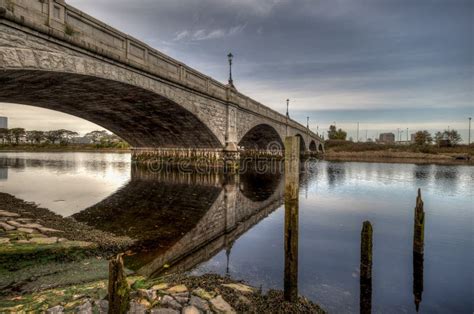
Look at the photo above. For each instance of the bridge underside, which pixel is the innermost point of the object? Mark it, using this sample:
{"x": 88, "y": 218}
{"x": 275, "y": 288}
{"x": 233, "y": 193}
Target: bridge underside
{"x": 141, "y": 117}
{"x": 262, "y": 137}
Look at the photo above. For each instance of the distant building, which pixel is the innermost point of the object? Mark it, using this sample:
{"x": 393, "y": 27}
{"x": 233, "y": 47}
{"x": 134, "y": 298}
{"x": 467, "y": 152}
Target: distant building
{"x": 3, "y": 123}
{"x": 387, "y": 138}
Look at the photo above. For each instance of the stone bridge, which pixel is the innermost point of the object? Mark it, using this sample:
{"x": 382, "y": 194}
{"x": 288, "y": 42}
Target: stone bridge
{"x": 180, "y": 219}
{"x": 57, "y": 57}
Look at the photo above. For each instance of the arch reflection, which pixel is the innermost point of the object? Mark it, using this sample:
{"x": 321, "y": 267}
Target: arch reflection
{"x": 179, "y": 220}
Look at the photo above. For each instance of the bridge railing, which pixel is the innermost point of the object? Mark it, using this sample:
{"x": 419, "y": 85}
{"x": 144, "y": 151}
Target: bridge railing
{"x": 62, "y": 21}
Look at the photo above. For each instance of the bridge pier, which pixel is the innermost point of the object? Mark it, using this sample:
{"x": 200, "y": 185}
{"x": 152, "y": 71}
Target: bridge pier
{"x": 187, "y": 158}
{"x": 208, "y": 159}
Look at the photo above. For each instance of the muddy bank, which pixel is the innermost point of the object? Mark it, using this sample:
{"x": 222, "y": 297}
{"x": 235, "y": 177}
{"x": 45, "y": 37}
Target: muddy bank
{"x": 28, "y": 215}
{"x": 41, "y": 250}
{"x": 398, "y": 157}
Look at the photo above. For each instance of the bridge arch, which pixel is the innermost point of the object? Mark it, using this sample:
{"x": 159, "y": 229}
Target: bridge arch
{"x": 141, "y": 117}
{"x": 320, "y": 148}
{"x": 262, "y": 137}
{"x": 313, "y": 147}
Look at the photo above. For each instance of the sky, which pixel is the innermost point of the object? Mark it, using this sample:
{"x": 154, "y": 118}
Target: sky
{"x": 386, "y": 64}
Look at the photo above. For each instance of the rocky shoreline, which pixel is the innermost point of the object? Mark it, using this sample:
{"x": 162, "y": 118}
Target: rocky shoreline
{"x": 169, "y": 295}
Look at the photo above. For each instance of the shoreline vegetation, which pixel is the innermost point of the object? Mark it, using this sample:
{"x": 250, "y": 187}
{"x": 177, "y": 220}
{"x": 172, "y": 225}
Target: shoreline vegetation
{"x": 55, "y": 264}
{"x": 396, "y": 153}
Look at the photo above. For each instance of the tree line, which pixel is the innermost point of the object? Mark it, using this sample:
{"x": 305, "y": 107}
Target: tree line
{"x": 16, "y": 136}
{"x": 445, "y": 138}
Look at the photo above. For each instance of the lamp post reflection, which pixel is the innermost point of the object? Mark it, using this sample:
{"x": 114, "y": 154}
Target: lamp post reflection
{"x": 292, "y": 155}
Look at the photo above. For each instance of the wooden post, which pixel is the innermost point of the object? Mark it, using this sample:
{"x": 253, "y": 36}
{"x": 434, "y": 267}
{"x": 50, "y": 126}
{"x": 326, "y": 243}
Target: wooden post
{"x": 419, "y": 226}
{"x": 418, "y": 250}
{"x": 292, "y": 159}
{"x": 366, "y": 268}
{"x": 119, "y": 290}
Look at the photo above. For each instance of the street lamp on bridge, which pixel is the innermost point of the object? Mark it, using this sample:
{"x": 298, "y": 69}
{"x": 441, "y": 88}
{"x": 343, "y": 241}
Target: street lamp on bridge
{"x": 287, "y": 105}
{"x": 469, "y": 134}
{"x": 230, "y": 56}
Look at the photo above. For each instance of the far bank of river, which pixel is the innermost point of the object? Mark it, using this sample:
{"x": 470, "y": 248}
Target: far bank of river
{"x": 62, "y": 149}
{"x": 384, "y": 156}
{"x": 387, "y": 156}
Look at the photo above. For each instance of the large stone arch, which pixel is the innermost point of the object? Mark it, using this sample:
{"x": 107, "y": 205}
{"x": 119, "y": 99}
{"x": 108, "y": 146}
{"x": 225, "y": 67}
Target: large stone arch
{"x": 142, "y": 118}
{"x": 145, "y": 111}
{"x": 262, "y": 137}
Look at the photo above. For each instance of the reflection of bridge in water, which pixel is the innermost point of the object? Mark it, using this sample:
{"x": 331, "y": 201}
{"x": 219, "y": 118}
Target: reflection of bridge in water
{"x": 180, "y": 220}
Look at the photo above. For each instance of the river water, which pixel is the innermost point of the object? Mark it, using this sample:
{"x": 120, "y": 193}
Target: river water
{"x": 234, "y": 225}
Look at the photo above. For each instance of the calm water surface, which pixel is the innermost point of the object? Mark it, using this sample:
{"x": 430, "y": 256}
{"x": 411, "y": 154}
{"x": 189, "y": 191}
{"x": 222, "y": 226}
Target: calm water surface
{"x": 235, "y": 225}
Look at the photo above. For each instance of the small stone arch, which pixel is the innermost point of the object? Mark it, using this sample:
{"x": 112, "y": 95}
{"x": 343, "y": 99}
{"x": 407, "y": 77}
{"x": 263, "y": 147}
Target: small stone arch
{"x": 320, "y": 148}
{"x": 313, "y": 147}
{"x": 261, "y": 137}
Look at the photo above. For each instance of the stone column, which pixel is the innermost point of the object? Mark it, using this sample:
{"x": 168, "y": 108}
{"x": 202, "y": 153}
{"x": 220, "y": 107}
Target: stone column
{"x": 366, "y": 268}
{"x": 292, "y": 159}
{"x": 231, "y": 131}
{"x": 231, "y": 150}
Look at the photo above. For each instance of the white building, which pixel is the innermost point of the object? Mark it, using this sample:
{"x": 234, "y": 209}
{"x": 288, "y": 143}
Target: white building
{"x": 3, "y": 123}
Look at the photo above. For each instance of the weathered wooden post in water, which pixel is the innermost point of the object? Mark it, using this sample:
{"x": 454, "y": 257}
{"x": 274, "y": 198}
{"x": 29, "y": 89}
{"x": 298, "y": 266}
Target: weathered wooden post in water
{"x": 366, "y": 268}
{"x": 292, "y": 161}
{"x": 119, "y": 290}
{"x": 418, "y": 250}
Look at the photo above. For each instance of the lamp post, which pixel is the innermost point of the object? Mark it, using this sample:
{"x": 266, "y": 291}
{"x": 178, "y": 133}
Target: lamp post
{"x": 357, "y": 131}
{"x": 307, "y": 123}
{"x": 230, "y": 56}
{"x": 469, "y": 134}
{"x": 287, "y": 105}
